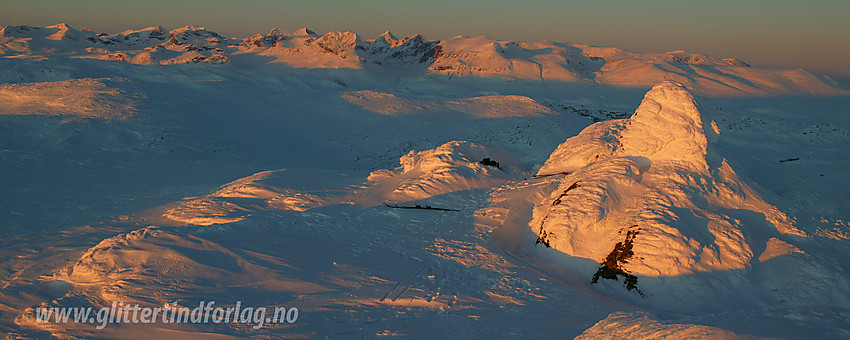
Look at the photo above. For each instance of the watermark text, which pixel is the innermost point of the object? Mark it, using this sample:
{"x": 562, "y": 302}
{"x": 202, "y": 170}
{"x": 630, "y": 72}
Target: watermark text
{"x": 204, "y": 313}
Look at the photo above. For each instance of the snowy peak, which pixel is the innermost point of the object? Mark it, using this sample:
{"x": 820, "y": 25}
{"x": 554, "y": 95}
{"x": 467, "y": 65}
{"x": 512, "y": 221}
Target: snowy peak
{"x": 63, "y": 31}
{"x": 188, "y": 29}
{"x": 338, "y": 49}
{"x": 342, "y": 44}
{"x": 156, "y": 31}
{"x": 263, "y": 41}
{"x": 382, "y": 43}
{"x": 481, "y": 56}
{"x": 54, "y": 33}
{"x": 388, "y": 37}
{"x": 666, "y": 126}
{"x": 276, "y": 32}
{"x": 468, "y": 56}
{"x": 197, "y": 36}
{"x": 143, "y": 37}
{"x": 408, "y": 50}
{"x": 414, "y": 48}
{"x": 40, "y": 42}
{"x": 305, "y": 49}
{"x": 304, "y": 31}
{"x": 647, "y": 182}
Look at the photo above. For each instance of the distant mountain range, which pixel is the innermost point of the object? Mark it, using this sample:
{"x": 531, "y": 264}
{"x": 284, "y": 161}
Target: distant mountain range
{"x": 458, "y": 56}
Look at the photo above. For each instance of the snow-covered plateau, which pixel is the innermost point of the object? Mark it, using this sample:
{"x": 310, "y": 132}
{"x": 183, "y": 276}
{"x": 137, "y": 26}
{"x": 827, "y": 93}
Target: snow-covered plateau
{"x": 404, "y": 187}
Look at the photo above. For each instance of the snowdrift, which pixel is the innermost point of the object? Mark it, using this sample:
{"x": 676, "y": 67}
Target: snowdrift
{"x": 451, "y": 167}
{"x": 121, "y": 267}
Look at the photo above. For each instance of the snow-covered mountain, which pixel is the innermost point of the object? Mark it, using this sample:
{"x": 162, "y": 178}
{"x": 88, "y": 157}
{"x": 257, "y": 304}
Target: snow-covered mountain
{"x": 459, "y": 56}
{"x": 651, "y": 172}
{"x": 655, "y": 184}
{"x": 152, "y": 45}
{"x": 407, "y": 187}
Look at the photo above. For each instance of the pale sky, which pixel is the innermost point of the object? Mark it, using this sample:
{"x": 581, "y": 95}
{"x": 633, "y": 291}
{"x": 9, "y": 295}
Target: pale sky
{"x": 812, "y": 34}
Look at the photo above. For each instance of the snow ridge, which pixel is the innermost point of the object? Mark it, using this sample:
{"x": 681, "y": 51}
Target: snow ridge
{"x": 459, "y": 56}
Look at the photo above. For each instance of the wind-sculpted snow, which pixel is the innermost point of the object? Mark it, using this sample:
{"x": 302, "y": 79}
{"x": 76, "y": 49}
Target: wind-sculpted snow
{"x": 452, "y": 167}
{"x": 121, "y": 266}
{"x": 655, "y": 176}
{"x": 238, "y": 199}
{"x": 459, "y": 56}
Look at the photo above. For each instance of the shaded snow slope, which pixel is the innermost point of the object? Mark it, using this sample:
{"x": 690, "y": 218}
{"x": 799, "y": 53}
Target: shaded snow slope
{"x": 459, "y": 56}
{"x": 491, "y": 106}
